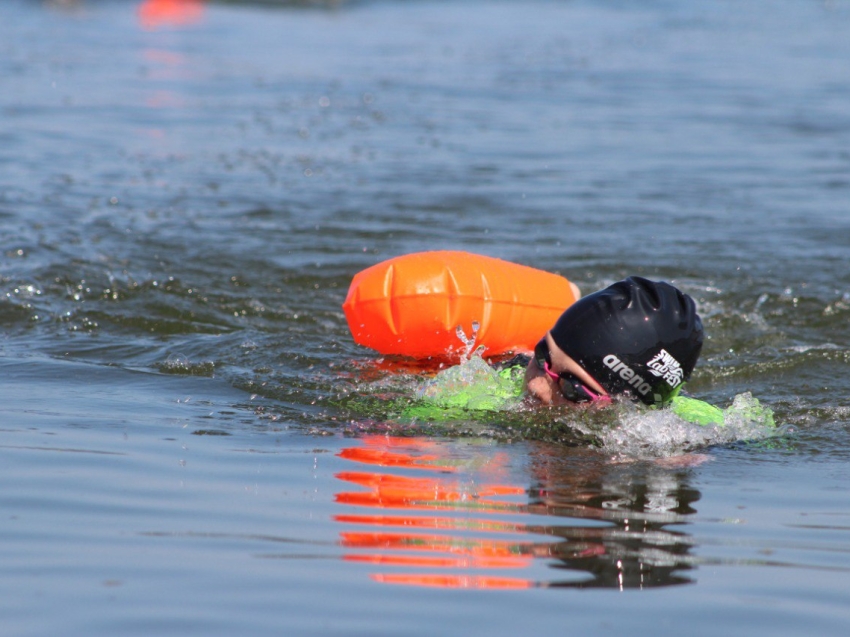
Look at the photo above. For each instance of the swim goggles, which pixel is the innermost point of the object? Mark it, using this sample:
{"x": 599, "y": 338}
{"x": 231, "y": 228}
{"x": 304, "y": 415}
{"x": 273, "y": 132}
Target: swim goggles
{"x": 571, "y": 386}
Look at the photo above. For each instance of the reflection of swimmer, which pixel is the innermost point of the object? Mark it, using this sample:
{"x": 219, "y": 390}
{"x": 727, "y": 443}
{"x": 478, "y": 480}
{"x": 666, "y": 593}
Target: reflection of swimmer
{"x": 636, "y": 549}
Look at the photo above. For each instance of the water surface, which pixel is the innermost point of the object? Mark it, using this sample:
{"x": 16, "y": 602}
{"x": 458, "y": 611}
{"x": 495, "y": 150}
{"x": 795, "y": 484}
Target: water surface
{"x": 191, "y": 441}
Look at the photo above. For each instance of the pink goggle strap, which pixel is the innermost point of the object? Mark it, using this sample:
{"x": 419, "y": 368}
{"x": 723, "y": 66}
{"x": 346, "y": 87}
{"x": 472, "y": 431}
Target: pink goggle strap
{"x": 594, "y": 397}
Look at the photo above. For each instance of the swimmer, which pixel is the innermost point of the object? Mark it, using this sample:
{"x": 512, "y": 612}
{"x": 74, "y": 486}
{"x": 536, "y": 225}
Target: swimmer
{"x": 636, "y": 338}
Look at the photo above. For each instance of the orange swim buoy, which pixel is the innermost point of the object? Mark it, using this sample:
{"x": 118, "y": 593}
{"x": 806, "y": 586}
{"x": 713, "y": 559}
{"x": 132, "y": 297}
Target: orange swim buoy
{"x": 412, "y": 305}
{"x": 158, "y": 13}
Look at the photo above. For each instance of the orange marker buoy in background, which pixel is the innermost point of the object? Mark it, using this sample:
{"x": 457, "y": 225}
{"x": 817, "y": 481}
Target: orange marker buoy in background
{"x": 412, "y": 305}
{"x": 154, "y": 14}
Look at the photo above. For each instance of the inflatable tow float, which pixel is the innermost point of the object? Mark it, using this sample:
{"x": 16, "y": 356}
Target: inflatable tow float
{"x": 423, "y": 305}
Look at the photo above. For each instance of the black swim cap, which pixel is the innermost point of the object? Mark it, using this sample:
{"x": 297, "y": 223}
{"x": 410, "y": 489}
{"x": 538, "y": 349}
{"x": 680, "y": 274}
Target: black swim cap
{"x": 637, "y": 337}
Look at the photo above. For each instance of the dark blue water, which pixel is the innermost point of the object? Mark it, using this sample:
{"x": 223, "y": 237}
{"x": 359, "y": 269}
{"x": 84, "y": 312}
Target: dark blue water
{"x": 191, "y": 442}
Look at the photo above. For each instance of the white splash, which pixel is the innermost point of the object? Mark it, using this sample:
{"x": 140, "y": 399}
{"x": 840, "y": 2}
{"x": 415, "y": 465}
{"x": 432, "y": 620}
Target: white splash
{"x": 469, "y": 341}
{"x": 662, "y": 434}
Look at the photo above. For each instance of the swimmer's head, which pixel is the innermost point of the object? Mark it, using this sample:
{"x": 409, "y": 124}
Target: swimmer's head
{"x": 636, "y": 337}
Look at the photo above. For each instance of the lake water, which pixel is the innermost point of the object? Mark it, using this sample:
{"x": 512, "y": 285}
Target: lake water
{"x": 192, "y": 443}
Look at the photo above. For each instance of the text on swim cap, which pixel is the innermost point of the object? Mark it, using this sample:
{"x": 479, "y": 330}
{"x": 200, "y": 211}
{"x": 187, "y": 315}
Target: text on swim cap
{"x": 627, "y": 374}
{"x": 665, "y": 366}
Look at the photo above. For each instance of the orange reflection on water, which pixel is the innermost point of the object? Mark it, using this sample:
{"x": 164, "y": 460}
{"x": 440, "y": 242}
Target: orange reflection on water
{"x": 453, "y": 551}
{"x": 390, "y": 491}
{"x": 387, "y": 458}
{"x": 410, "y": 537}
{"x": 154, "y": 14}
{"x": 164, "y": 69}
{"x": 455, "y": 581}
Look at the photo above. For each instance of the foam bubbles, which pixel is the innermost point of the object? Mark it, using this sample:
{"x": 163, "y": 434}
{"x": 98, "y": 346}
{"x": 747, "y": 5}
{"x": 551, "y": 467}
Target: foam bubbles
{"x": 641, "y": 433}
